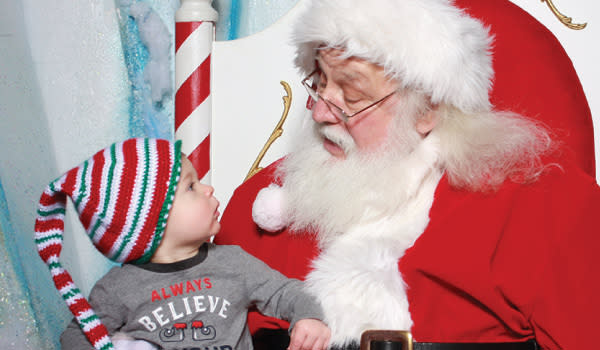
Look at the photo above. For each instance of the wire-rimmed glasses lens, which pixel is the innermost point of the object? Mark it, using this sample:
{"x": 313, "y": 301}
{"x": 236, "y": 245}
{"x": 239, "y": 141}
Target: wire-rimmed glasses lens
{"x": 311, "y": 82}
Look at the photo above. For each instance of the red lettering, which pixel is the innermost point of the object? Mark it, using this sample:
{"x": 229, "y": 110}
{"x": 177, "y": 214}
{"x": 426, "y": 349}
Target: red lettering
{"x": 199, "y": 284}
{"x": 164, "y": 295}
{"x": 177, "y": 289}
{"x": 189, "y": 287}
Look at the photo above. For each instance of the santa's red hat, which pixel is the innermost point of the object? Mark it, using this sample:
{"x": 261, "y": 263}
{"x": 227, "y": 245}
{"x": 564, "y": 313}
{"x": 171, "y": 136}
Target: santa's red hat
{"x": 428, "y": 45}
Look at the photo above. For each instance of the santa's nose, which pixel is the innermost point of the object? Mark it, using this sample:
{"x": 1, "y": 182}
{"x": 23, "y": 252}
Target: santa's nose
{"x": 321, "y": 113}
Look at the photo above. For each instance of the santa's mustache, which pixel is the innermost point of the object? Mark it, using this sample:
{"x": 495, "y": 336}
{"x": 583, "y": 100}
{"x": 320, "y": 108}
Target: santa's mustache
{"x": 337, "y": 135}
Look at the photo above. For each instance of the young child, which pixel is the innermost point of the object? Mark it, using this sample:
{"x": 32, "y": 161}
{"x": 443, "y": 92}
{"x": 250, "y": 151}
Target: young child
{"x": 141, "y": 204}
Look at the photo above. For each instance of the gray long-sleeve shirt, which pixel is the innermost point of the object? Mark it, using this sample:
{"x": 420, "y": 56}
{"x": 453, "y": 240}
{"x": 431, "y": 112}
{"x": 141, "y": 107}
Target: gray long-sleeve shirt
{"x": 201, "y": 302}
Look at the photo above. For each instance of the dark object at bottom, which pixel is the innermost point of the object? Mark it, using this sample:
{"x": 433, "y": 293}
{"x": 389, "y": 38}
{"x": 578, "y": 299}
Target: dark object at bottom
{"x": 386, "y": 345}
{"x": 271, "y": 339}
{"x": 279, "y": 339}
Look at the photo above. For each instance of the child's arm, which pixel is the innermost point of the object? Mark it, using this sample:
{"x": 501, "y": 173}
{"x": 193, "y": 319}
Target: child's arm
{"x": 285, "y": 298}
{"x": 309, "y": 334}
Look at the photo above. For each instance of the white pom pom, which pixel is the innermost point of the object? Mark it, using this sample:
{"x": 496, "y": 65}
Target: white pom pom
{"x": 269, "y": 210}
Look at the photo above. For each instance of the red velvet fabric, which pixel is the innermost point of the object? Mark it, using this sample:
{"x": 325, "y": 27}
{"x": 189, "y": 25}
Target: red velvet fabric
{"x": 511, "y": 266}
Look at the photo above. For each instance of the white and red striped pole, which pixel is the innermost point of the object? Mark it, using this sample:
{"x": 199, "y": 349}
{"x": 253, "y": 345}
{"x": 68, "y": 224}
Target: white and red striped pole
{"x": 194, "y": 36}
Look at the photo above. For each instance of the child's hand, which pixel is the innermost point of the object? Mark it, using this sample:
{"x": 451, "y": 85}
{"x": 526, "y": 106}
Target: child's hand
{"x": 309, "y": 334}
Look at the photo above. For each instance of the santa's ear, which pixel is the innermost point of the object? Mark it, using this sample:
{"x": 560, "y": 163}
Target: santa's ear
{"x": 428, "y": 121}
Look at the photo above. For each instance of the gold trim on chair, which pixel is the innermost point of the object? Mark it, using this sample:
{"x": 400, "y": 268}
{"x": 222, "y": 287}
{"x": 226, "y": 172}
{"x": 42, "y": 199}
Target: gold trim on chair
{"x": 287, "y": 102}
{"x": 567, "y": 21}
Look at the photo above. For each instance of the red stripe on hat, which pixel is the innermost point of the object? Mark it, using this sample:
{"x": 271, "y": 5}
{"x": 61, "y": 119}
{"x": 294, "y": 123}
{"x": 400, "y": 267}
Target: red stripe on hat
{"x": 194, "y": 90}
{"x": 47, "y": 225}
{"x": 69, "y": 184}
{"x": 50, "y": 251}
{"x": 62, "y": 280}
{"x": 79, "y": 306}
{"x": 126, "y": 187}
{"x": 51, "y": 199}
{"x": 97, "y": 333}
{"x": 93, "y": 190}
{"x": 158, "y": 195}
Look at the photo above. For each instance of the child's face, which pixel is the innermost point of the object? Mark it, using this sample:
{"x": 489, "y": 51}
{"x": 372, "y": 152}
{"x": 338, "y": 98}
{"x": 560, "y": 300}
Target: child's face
{"x": 193, "y": 218}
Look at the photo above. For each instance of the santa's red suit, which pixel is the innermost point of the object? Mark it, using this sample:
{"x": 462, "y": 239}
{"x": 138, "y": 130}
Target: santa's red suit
{"x": 513, "y": 265}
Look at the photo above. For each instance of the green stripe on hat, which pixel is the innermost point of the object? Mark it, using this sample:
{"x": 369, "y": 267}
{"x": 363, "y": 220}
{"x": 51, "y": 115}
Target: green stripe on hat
{"x": 51, "y": 212}
{"x": 73, "y": 291}
{"x": 164, "y": 212}
{"x": 47, "y": 238}
{"x": 82, "y": 188}
{"x": 107, "y": 191}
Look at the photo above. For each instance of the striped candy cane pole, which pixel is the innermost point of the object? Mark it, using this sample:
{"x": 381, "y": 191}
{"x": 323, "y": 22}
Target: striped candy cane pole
{"x": 194, "y": 35}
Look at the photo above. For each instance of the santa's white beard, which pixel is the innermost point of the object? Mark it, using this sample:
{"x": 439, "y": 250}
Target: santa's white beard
{"x": 328, "y": 195}
{"x": 367, "y": 210}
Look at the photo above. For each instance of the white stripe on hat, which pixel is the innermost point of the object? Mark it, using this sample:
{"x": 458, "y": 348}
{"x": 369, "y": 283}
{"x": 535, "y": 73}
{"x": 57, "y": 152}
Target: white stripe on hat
{"x": 113, "y": 192}
{"x": 97, "y": 212}
{"x": 154, "y": 179}
{"x": 136, "y": 193}
{"x": 84, "y": 179}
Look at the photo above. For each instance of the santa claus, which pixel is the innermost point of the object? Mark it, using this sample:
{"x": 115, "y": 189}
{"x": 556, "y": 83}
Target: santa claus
{"x": 411, "y": 202}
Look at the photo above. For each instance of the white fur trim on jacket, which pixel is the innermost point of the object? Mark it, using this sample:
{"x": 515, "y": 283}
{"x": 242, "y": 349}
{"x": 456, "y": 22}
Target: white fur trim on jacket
{"x": 269, "y": 210}
{"x": 356, "y": 277}
{"x": 428, "y": 45}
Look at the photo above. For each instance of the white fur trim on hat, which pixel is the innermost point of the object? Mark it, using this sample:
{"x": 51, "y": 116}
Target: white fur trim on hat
{"x": 269, "y": 210}
{"x": 428, "y": 45}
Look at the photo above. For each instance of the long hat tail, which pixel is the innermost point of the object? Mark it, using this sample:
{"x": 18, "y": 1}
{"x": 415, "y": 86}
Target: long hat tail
{"x": 49, "y": 229}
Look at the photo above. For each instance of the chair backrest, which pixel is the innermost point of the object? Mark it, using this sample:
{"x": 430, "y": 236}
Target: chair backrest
{"x": 534, "y": 76}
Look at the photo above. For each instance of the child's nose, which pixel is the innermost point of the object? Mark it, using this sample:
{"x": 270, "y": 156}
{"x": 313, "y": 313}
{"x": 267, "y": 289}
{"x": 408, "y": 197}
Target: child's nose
{"x": 209, "y": 190}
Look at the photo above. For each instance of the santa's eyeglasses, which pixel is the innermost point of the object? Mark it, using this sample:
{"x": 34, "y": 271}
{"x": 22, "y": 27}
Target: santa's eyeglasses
{"x": 311, "y": 83}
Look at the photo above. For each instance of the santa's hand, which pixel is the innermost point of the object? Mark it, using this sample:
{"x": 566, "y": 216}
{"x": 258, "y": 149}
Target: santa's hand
{"x": 309, "y": 334}
{"x": 124, "y": 342}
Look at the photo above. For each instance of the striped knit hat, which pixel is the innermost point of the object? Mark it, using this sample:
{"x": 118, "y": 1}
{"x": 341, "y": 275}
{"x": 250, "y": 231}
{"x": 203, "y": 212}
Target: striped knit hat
{"x": 123, "y": 195}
